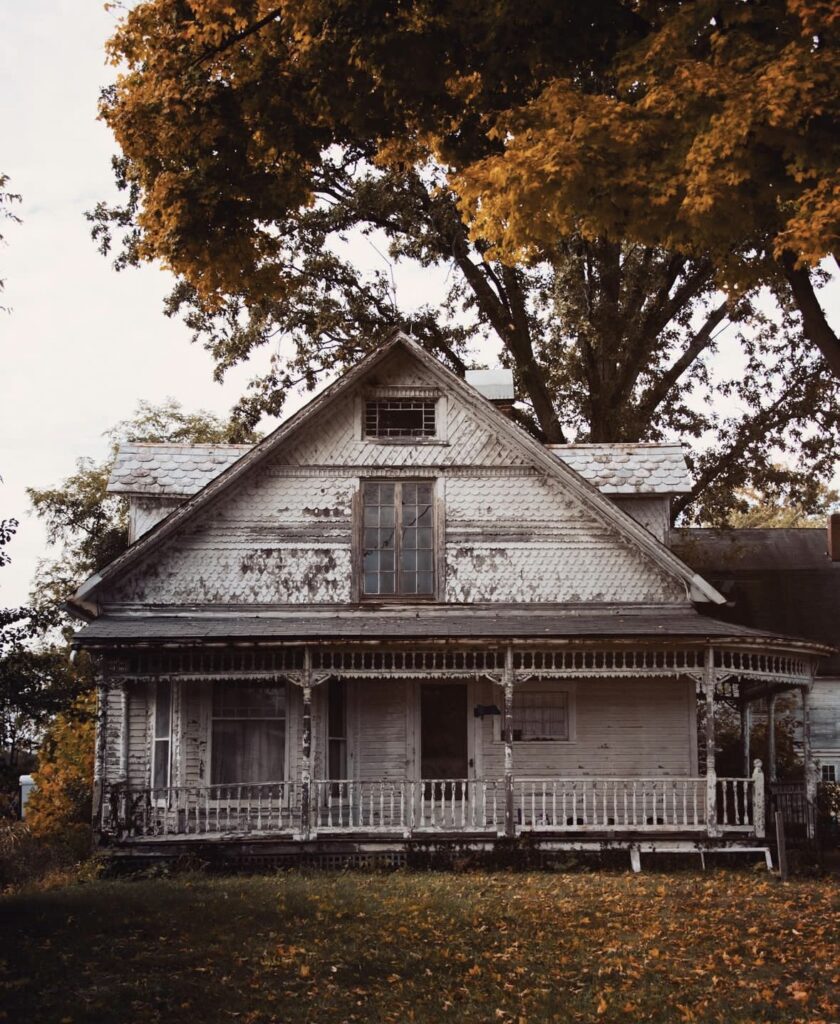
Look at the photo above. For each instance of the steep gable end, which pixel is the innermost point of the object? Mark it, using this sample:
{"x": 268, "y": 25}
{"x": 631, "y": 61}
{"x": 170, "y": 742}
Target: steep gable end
{"x": 281, "y": 526}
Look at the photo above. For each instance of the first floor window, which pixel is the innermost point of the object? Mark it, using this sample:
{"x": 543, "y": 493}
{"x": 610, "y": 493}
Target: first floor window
{"x": 161, "y": 755}
{"x": 540, "y": 713}
{"x": 829, "y": 773}
{"x": 249, "y": 733}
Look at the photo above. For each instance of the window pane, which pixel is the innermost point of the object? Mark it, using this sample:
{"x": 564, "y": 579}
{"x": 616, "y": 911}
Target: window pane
{"x": 248, "y": 752}
{"x": 161, "y": 759}
{"x": 163, "y": 708}
{"x": 400, "y": 417}
{"x": 408, "y": 505}
{"x": 540, "y": 715}
{"x": 236, "y": 700}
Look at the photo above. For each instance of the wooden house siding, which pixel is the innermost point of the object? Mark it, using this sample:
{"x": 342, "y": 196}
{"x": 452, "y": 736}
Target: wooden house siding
{"x": 286, "y": 536}
{"x": 623, "y": 728}
{"x": 140, "y": 704}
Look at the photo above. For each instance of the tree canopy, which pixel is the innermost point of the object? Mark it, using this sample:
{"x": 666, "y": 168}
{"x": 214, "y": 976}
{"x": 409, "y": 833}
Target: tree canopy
{"x": 255, "y": 138}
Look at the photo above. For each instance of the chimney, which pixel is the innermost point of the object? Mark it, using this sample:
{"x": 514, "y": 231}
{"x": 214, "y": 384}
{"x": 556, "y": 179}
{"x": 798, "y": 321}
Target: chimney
{"x": 834, "y": 536}
{"x": 496, "y": 386}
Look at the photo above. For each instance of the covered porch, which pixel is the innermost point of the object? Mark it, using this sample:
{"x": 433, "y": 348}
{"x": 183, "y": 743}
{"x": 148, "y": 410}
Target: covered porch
{"x": 475, "y": 783}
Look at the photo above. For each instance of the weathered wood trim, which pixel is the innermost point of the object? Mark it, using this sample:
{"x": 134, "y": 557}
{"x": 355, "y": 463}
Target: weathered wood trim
{"x": 439, "y": 538}
{"x": 101, "y": 731}
{"x": 771, "y": 737}
{"x": 746, "y": 727}
{"x": 354, "y": 471}
{"x": 810, "y": 768}
{"x": 709, "y": 683}
{"x": 759, "y": 800}
{"x": 510, "y": 824}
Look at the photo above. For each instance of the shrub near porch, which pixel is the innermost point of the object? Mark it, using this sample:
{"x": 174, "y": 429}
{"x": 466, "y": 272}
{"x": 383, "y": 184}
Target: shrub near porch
{"x": 425, "y": 948}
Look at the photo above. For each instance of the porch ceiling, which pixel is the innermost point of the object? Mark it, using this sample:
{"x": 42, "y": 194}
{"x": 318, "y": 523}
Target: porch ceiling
{"x": 563, "y": 623}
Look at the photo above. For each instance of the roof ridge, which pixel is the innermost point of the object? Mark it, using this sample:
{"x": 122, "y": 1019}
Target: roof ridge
{"x": 184, "y": 444}
{"x": 618, "y": 444}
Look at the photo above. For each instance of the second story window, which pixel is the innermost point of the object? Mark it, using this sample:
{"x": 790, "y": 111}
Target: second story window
{"x": 400, "y": 418}
{"x": 398, "y": 539}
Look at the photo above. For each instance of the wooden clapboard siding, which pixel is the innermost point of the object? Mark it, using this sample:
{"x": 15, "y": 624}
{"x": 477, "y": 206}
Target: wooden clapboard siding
{"x": 114, "y": 736}
{"x": 825, "y": 719}
{"x": 195, "y": 718}
{"x": 624, "y": 728}
{"x": 380, "y": 750}
{"x": 139, "y": 707}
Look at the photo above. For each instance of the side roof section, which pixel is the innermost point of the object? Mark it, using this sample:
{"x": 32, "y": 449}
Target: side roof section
{"x": 697, "y": 588}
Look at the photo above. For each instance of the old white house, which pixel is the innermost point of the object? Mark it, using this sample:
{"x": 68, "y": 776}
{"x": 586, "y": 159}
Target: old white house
{"x": 399, "y": 617}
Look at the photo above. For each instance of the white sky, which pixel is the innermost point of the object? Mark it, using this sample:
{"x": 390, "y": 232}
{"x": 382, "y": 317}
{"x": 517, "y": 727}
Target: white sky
{"x": 83, "y": 344}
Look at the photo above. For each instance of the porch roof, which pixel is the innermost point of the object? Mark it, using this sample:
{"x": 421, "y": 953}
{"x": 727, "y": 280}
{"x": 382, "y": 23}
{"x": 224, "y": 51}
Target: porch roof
{"x": 427, "y": 624}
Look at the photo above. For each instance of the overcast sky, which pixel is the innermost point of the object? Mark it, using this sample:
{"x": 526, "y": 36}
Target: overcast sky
{"x": 82, "y": 344}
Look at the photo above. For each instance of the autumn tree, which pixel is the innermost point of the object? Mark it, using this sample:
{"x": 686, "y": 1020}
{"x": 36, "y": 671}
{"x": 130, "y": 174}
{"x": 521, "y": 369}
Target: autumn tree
{"x": 256, "y": 138}
{"x": 61, "y": 800}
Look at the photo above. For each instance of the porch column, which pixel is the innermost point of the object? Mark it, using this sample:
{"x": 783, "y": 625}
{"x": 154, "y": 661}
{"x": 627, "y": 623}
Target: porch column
{"x": 306, "y": 745}
{"x": 771, "y": 738}
{"x": 711, "y": 773}
{"x": 510, "y": 828}
{"x": 101, "y": 732}
{"x": 810, "y": 778}
{"x": 758, "y": 800}
{"x": 746, "y": 726}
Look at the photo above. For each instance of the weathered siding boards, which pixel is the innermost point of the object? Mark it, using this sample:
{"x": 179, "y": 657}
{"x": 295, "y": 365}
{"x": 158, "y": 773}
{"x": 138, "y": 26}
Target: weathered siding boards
{"x": 624, "y": 728}
{"x": 285, "y": 536}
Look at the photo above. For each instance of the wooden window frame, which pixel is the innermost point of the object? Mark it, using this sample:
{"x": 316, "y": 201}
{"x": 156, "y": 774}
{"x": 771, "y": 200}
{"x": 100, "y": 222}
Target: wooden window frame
{"x": 158, "y": 740}
{"x": 569, "y": 688}
{"x": 285, "y": 718}
{"x": 438, "y": 541}
{"x": 377, "y": 393}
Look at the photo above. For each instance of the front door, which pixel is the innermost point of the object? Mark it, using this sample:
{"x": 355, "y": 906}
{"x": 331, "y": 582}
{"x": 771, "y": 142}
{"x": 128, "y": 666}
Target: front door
{"x": 443, "y": 731}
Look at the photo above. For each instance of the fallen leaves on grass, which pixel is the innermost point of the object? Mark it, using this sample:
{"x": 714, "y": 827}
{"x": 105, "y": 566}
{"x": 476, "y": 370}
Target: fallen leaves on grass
{"x": 424, "y": 948}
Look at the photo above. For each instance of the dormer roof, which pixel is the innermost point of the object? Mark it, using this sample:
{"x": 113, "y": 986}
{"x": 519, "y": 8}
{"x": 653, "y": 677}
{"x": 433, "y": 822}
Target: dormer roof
{"x": 629, "y": 469}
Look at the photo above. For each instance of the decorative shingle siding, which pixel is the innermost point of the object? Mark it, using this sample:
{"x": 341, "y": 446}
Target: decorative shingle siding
{"x": 285, "y": 536}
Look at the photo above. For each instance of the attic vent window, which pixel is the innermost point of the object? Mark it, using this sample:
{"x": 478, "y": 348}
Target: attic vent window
{"x": 400, "y": 417}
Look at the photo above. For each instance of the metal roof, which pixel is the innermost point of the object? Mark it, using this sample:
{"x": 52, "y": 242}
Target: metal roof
{"x": 775, "y": 580}
{"x": 628, "y": 469}
{"x": 172, "y": 470}
{"x": 432, "y": 624}
{"x": 497, "y": 385}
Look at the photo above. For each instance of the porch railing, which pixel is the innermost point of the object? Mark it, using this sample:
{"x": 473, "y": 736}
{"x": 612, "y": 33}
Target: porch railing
{"x": 632, "y": 805}
{"x": 417, "y": 807}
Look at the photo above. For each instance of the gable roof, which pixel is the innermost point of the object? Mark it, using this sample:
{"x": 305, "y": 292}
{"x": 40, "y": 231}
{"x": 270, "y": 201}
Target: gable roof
{"x": 696, "y": 586}
{"x": 631, "y": 469}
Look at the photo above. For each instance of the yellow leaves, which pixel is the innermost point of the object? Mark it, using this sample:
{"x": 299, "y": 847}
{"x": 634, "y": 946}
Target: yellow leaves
{"x": 602, "y": 1006}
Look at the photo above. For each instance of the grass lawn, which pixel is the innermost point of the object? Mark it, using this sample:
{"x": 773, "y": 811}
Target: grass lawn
{"x": 327, "y": 948}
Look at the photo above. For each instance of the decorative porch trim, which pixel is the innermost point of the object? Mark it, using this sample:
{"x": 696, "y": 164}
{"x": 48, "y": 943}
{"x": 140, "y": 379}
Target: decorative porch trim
{"x": 609, "y": 660}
